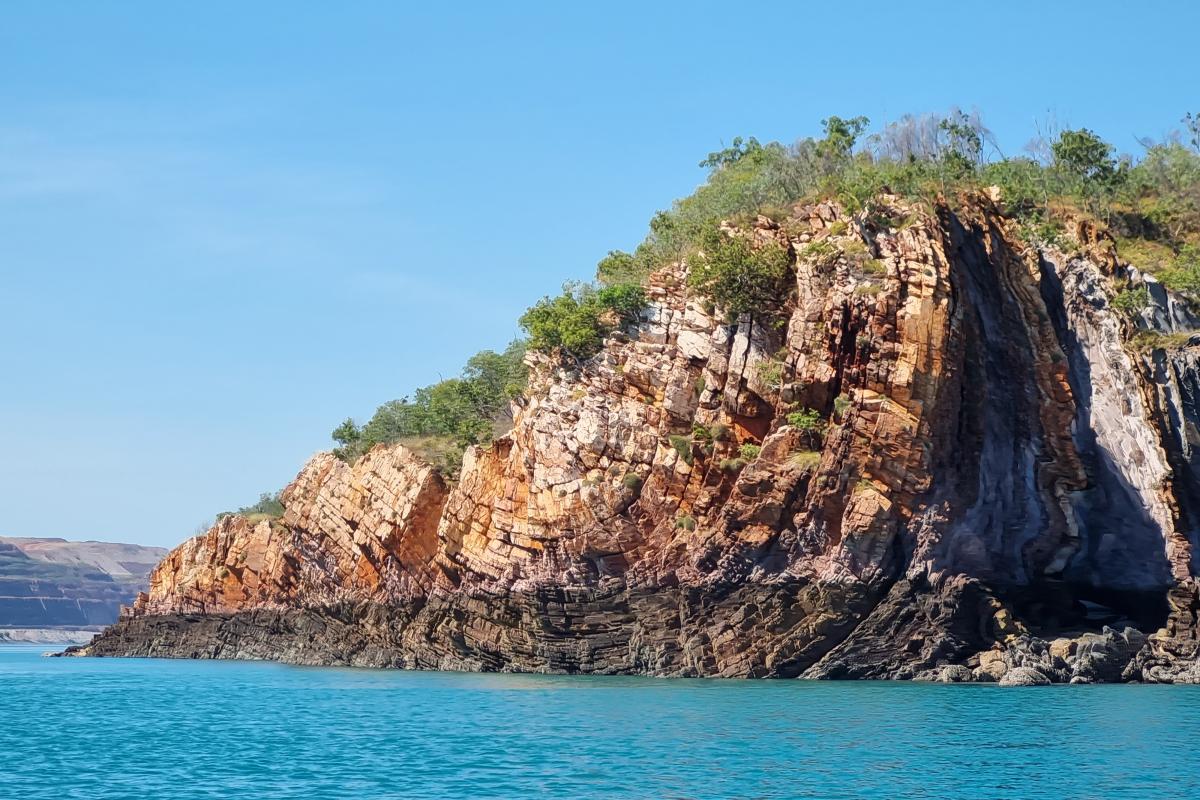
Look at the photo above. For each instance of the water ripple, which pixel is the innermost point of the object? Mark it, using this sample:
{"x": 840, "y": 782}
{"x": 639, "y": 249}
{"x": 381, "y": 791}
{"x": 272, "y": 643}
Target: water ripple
{"x": 88, "y": 729}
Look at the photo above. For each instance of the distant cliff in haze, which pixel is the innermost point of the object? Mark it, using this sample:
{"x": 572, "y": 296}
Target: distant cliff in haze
{"x": 53, "y": 583}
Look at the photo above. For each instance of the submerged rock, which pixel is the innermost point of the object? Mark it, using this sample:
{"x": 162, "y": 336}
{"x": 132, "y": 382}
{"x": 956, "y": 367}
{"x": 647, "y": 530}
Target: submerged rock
{"x": 1024, "y": 676}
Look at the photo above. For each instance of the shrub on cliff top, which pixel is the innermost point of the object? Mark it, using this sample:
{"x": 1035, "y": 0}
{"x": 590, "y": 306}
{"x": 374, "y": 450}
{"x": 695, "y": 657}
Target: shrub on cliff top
{"x": 1154, "y": 201}
{"x": 441, "y": 420}
{"x": 267, "y": 507}
{"x": 576, "y": 322}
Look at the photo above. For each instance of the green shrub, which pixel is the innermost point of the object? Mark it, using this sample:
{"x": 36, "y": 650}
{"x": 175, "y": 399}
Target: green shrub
{"x": 738, "y": 277}
{"x": 1183, "y": 275}
{"x": 441, "y": 420}
{"x": 841, "y": 404}
{"x": 749, "y": 451}
{"x": 626, "y": 300}
{"x": 576, "y": 322}
{"x": 1085, "y": 157}
{"x": 806, "y": 419}
{"x": 632, "y": 481}
{"x": 267, "y": 507}
{"x": 619, "y": 267}
{"x": 732, "y": 464}
{"x": 822, "y": 253}
{"x": 683, "y": 446}
{"x": 686, "y": 523}
{"x": 1022, "y": 183}
{"x": 770, "y": 373}
{"x": 805, "y": 459}
{"x": 1132, "y": 301}
{"x": 1040, "y": 231}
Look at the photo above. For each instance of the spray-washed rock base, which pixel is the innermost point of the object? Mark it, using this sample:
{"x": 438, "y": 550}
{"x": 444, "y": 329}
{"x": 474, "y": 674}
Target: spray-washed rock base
{"x": 1002, "y": 487}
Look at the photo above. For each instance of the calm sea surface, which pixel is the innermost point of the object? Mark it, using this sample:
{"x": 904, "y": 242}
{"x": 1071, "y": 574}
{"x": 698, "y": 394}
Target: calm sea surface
{"x": 97, "y": 728}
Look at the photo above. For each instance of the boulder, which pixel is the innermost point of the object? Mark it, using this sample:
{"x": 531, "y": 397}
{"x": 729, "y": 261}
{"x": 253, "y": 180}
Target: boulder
{"x": 1024, "y": 676}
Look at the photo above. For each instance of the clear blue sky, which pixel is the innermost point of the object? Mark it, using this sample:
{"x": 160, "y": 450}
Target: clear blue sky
{"x": 226, "y": 226}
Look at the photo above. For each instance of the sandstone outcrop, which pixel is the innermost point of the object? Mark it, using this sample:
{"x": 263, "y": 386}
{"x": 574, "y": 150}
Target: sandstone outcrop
{"x": 997, "y": 471}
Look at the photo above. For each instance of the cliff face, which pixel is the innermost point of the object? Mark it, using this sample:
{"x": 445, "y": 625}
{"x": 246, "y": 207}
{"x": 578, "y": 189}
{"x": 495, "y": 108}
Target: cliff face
{"x": 998, "y": 474}
{"x": 56, "y": 584}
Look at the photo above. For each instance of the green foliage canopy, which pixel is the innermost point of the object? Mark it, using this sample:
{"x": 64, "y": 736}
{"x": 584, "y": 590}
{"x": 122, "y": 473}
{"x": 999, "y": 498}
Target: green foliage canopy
{"x": 575, "y": 322}
{"x": 738, "y": 276}
{"x": 442, "y": 419}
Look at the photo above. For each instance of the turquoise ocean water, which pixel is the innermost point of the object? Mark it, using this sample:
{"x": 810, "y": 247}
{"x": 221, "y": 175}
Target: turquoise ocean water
{"x": 109, "y": 728}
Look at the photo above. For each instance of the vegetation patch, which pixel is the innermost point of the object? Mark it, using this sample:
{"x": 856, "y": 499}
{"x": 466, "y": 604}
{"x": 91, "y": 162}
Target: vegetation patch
{"x": 441, "y": 420}
{"x": 683, "y": 446}
{"x": 576, "y": 322}
{"x": 1132, "y": 301}
{"x": 1153, "y": 340}
{"x": 806, "y": 419}
{"x": 267, "y": 507}
{"x": 1152, "y": 204}
{"x": 770, "y": 373}
{"x": 805, "y": 459}
{"x": 732, "y": 464}
{"x": 821, "y": 253}
{"x": 841, "y": 404}
{"x": 738, "y": 276}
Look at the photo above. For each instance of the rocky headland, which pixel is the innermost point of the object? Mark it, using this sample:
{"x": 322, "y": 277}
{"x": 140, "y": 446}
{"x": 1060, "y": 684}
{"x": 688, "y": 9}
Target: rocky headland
{"x": 998, "y": 484}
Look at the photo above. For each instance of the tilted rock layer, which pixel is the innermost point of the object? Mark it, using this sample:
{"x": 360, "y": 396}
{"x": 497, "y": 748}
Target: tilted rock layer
{"x": 998, "y": 486}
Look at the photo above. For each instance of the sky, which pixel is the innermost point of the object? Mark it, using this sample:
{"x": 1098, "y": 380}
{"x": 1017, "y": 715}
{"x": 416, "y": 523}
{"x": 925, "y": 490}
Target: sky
{"x": 227, "y": 226}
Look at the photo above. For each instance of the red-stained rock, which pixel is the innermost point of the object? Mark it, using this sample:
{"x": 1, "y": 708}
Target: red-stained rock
{"x": 983, "y": 419}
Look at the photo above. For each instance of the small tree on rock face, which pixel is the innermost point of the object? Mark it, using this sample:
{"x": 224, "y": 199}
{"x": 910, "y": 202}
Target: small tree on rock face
{"x": 738, "y": 277}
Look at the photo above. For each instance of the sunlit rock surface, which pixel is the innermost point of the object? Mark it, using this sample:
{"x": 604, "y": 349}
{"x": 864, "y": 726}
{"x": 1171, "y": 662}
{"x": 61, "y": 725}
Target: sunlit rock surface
{"x": 1003, "y": 490}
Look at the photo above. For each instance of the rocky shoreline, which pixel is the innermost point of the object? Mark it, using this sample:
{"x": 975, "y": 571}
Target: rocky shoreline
{"x": 1001, "y": 487}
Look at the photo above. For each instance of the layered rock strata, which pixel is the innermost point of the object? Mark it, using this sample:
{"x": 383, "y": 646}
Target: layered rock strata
{"x": 995, "y": 481}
